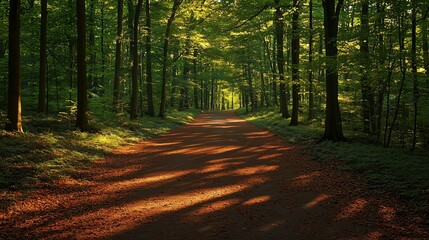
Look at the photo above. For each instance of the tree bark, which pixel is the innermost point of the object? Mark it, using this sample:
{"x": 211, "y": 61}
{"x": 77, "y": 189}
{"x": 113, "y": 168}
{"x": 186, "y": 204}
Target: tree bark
{"x": 43, "y": 57}
{"x": 295, "y": 65}
{"x": 367, "y": 92}
{"x": 135, "y": 72}
{"x": 310, "y": 61}
{"x": 333, "y": 123}
{"x": 118, "y": 58}
{"x": 82, "y": 85}
{"x": 150, "y": 107}
{"x": 165, "y": 56}
{"x": 414, "y": 71}
{"x": 279, "y": 25}
{"x": 195, "y": 73}
{"x": 14, "y": 93}
{"x": 92, "y": 51}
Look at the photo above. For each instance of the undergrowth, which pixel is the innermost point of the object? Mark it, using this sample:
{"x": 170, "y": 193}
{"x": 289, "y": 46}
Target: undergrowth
{"x": 397, "y": 171}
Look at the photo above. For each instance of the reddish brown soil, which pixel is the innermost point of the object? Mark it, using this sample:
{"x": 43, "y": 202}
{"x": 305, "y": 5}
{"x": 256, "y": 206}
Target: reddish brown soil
{"x": 216, "y": 178}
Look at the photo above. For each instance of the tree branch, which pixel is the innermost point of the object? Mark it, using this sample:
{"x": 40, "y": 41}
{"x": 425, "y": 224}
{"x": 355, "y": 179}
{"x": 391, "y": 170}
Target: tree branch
{"x": 248, "y": 20}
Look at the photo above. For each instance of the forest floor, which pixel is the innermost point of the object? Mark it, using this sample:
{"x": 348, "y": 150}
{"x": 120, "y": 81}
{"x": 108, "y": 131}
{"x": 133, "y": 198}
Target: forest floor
{"x": 218, "y": 177}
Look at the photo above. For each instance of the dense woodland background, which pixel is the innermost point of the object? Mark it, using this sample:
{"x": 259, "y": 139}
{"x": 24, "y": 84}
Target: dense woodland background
{"x": 142, "y": 57}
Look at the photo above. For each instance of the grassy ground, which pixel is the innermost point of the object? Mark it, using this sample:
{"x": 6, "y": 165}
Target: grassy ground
{"x": 398, "y": 171}
{"x": 52, "y": 148}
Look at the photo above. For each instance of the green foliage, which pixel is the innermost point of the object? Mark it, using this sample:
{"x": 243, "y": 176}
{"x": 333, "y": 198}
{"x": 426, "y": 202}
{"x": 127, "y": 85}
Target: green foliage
{"x": 397, "y": 171}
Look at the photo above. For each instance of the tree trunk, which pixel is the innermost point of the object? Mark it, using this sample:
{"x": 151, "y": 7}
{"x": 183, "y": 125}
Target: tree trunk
{"x": 150, "y": 107}
{"x": 367, "y": 92}
{"x": 279, "y": 25}
{"x": 195, "y": 73}
{"x": 165, "y": 57}
{"x": 414, "y": 71}
{"x": 118, "y": 59}
{"x": 295, "y": 65}
{"x": 82, "y": 85}
{"x": 43, "y": 56}
{"x": 14, "y": 93}
{"x": 310, "y": 62}
{"x": 333, "y": 124}
{"x": 426, "y": 50}
{"x": 92, "y": 52}
{"x": 135, "y": 72}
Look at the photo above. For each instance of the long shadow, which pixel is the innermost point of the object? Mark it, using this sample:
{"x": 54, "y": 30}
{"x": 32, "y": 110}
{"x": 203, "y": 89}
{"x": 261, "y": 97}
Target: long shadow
{"x": 218, "y": 178}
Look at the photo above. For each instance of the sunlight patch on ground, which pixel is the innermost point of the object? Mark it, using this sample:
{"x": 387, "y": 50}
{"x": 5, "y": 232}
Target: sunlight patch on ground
{"x": 388, "y": 213}
{"x": 255, "y": 170}
{"x": 352, "y": 209}
{"x": 271, "y": 226}
{"x": 257, "y": 200}
{"x": 214, "y": 207}
{"x": 306, "y": 178}
{"x": 316, "y": 201}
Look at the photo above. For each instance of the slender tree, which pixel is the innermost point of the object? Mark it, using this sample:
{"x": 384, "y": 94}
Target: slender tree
{"x": 135, "y": 69}
{"x": 14, "y": 93}
{"x": 333, "y": 123}
{"x": 295, "y": 65}
{"x": 150, "y": 108}
{"x": 368, "y": 107}
{"x": 279, "y": 25}
{"x": 82, "y": 85}
{"x": 43, "y": 56}
{"x": 118, "y": 57}
{"x": 310, "y": 62}
{"x": 176, "y": 6}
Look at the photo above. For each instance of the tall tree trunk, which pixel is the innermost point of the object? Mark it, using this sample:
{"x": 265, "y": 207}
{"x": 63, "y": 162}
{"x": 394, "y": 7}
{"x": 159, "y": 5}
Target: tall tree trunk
{"x": 367, "y": 92}
{"x": 333, "y": 123}
{"x": 118, "y": 58}
{"x": 82, "y": 85}
{"x": 174, "y": 79}
{"x": 14, "y": 93}
{"x": 295, "y": 65}
{"x": 135, "y": 72}
{"x": 150, "y": 107}
{"x": 414, "y": 71}
{"x": 251, "y": 91}
{"x": 43, "y": 56}
{"x": 279, "y": 25}
{"x": 403, "y": 69}
{"x": 103, "y": 57}
{"x": 165, "y": 56}
{"x": 425, "y": 50}
{"x": 310, "y": 62}
{"x": 92, "y": 52}
{"x": 195, "y": 73}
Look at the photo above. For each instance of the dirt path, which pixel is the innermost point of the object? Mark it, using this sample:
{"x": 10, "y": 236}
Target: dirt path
{"x": 217, "y": 178}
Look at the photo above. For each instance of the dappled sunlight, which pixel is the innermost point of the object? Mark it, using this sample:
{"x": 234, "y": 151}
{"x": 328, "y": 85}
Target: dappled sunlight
{"x": 306, "y": 178}
{"x": 388, "y": 213}
{"x": 146, "y": 180}
{"x": 203, "y": 150}
{"x": 353, "y": 208}
{"x": 214, "y": 179}
{"x": 257, "y": 200}
{"x": 246, "y": 171}
{"x": 316, "y": 201}
{"x": 212, "y": 207}
{"x": 270, "y": 156}
{"x": 271, "y": 226}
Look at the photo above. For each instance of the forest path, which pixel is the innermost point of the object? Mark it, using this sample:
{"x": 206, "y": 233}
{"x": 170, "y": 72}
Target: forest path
{"x": 219, "y": 177}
